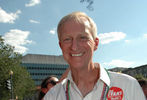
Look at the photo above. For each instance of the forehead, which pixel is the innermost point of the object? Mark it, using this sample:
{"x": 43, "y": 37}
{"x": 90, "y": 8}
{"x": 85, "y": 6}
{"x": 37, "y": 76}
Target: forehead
{"x": 75, "y": 24}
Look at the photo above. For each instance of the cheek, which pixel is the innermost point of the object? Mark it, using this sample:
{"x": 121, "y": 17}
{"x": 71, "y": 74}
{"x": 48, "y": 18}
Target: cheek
{"x": 65, "y": 49}
{"x": 49, "y": 86}
{"x": 65, "y": 52}
{"x": 64, "y": 46}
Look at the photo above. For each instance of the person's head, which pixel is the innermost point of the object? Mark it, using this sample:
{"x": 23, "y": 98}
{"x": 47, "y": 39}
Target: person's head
{"x": 47, "y": 84}
{"x": 77, "y": 34}
{"x": 76, "y": 16}
{"x": 143, "y": 84}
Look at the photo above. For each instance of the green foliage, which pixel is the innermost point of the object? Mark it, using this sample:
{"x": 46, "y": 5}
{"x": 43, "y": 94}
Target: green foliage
{"x": 23, "y": 85}
{"x": 140, "y": 77}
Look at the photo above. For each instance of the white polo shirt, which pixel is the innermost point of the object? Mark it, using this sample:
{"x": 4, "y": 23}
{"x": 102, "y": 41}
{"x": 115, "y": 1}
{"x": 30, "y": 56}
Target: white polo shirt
{"x": 110, "y": 86}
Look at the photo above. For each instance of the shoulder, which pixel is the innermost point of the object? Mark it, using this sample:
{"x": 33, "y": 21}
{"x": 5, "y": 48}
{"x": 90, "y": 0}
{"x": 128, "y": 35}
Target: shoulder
{"x": 56, "y": 92}
{"x": 59, "y": 87}
{"x": 129, "y": 85}
{"x": 121, "y": 76}
{"x": 123, "y": 80}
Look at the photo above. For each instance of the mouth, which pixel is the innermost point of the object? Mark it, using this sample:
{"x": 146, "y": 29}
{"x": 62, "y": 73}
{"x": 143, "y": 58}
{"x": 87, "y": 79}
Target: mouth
{"x": 77, "y": 55}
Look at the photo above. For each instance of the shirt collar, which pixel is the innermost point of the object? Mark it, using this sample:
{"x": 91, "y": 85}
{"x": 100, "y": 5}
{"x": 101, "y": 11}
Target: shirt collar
{"x": 104, "y": 76}
{"x": 69, "y": 76}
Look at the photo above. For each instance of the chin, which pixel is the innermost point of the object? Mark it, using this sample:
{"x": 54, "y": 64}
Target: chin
{"x": 76, "y": 64}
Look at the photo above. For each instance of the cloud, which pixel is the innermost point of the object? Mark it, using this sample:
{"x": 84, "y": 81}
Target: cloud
{"x": 106, "y": 38}
{"x": 34, "y": 21}
{"x": 18, "y": 39}
{"x": 52, "y": 31}
{"x": 145, "y": 35}
{"x": 32, "y": 3}
{"x": 127, "y": 41}
{"x": 119, "y": 63}
{"x": 8, "y": 17}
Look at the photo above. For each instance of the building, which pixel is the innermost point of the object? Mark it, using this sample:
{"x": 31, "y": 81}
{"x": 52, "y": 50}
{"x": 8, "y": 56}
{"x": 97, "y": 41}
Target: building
{"x": 41, "y": 66}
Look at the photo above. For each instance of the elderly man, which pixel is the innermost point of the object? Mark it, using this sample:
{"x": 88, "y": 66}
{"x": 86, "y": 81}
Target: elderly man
{"x": 87, "y": 80}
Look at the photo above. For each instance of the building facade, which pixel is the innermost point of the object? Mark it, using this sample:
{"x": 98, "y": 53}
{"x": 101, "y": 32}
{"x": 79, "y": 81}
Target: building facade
{"x": 41, "y": 66}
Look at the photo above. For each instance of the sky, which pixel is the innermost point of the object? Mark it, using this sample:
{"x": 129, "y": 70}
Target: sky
{"x": 30, "y": 26}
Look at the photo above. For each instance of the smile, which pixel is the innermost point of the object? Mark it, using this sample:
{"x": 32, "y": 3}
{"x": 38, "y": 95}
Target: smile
{"x": 77, "y": 55}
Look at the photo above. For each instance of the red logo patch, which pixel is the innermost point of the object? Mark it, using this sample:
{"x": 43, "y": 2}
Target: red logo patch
{"x": 115, "y": 93}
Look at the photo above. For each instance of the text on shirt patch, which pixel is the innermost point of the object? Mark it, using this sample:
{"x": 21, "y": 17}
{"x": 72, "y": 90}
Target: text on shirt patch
{"x": 115, "y": 93}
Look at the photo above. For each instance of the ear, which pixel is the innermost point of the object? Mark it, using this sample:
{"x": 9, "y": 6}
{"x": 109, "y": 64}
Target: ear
{"x": 96, "y": 43}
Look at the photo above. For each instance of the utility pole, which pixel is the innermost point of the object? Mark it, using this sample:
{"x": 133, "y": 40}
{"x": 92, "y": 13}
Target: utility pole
{"x": 11, "y": 74}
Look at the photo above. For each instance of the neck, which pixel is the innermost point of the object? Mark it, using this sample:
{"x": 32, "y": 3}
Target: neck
{"x": 89, "y": 73}
{"x": 85, "y": 79}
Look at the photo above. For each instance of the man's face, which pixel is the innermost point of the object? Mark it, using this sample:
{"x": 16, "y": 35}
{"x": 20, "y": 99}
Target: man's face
{"x": 52, "y": 82}
{"x": 77, "y": 43}
{"x": 49, "y": 86}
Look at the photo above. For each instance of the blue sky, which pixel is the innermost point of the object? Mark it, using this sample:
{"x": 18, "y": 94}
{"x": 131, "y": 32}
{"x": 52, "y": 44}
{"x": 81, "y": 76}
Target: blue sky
{"x": 30, "y": 26}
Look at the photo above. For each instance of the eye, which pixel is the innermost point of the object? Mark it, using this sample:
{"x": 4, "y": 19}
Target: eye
{"x": 83, "y": 38}
{"x": 66, "y": 40}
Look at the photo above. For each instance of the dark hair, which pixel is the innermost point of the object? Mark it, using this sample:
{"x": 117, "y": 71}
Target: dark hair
{"x": 142, "y": 82}
{"x": 45, "y": 82}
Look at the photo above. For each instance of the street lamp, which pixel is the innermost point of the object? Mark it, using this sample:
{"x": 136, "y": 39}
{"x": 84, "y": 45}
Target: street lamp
{"x": 11, "y": 74}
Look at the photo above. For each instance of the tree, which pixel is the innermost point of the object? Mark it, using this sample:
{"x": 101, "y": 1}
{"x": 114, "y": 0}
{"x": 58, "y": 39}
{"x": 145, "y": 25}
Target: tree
{"x": 90, "y": 2}
{"x": 140, "y": 77}
{"x": 23, "y": 85}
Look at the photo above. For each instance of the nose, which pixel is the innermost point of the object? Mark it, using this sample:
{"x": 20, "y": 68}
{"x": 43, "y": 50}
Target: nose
{"x": 74, "y": 45}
